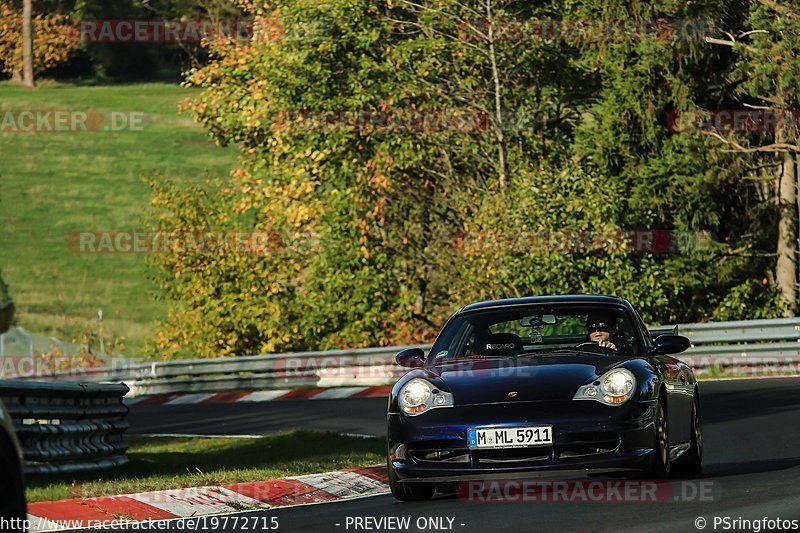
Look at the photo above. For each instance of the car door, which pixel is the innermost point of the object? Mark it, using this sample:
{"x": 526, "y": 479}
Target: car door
{"x": 676, "y": 377}
{"x": 679, "y": 398}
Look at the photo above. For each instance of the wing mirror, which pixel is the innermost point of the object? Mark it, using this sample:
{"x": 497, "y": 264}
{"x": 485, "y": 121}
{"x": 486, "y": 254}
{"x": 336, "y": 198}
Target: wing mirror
{"x": 411, "y": 358}
{"x": 670, "y": 344}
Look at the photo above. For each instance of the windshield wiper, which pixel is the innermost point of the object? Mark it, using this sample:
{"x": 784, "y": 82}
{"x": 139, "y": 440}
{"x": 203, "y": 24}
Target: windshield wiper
{"x": 470, "y": 357}
{"x": 569, "y": 350}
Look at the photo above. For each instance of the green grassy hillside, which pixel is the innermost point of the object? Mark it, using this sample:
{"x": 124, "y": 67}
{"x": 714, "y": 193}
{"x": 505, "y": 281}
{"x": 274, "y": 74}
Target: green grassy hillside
{"x": 53, "y": 185}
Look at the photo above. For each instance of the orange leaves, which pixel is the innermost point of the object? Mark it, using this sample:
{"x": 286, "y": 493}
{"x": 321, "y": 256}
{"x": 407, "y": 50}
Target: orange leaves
{"x": 55, "y": 40}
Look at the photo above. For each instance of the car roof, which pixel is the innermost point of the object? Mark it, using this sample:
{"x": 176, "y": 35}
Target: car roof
{"x": 559, "y": 299}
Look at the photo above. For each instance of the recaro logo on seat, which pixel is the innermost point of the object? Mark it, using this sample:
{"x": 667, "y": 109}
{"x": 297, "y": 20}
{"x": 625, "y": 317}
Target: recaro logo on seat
{"x": 500, "y": 346}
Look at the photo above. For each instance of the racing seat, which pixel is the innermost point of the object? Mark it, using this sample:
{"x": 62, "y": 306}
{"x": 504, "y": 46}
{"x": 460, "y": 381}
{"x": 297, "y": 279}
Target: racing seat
{"x": 498, "y": 344}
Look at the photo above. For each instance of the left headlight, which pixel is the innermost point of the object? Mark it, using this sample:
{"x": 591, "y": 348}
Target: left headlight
{"x": 419, "y": 395}
{"x": 615, "y": 387}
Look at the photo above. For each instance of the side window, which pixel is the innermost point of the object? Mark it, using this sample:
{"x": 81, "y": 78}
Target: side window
{"x": 464, "y": 345}
{"x": 469, "y": 347}
{"x": 627, "y": 335}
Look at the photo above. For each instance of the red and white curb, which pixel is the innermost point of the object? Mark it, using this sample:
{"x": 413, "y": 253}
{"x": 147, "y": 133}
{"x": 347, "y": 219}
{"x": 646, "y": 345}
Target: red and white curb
{"x": 210, "y": 500}
{"x": 261, "y": 396}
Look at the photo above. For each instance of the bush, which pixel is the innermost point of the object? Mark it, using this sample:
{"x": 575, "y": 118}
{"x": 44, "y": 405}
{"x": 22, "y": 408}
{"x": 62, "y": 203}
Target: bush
{"x": 56, "y": 40}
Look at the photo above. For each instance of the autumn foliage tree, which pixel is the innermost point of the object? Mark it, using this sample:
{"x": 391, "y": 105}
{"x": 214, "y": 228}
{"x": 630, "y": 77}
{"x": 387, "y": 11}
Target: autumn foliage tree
{"x": 56, "y": 39}
{"x": 406, "y": 158}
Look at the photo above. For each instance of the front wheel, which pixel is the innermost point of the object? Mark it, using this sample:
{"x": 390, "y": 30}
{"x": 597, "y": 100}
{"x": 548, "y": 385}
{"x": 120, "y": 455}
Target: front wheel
{"x": 660, "y": 466}
{"x": 691, "y": 464}
{"x": 407, "y": 491}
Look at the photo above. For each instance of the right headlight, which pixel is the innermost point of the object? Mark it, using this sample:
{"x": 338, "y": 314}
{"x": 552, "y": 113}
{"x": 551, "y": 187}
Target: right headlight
{"x": 419, "y": 395}
{"x": 615, "y": 387}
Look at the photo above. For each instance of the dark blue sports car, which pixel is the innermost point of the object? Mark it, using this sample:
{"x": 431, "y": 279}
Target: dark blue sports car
{"x": 546, "y": 384}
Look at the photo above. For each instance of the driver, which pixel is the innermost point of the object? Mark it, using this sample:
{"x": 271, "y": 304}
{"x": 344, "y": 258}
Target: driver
{"x": 601, "y": 328}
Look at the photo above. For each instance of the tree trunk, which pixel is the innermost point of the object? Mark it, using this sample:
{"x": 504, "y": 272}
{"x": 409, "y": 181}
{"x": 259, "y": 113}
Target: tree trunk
{"x": 796, "y": 168}
{"x": 27, "y": 44}
{"x": 499, "y": 126}
{"x": 786, "y": 268}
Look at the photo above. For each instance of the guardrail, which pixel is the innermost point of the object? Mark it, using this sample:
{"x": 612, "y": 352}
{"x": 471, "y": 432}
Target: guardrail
{"x": 743, "y": 331}
{"x": 322, "y": 369}
{"x": 716, "y": 347}
{"x": 743, "y": 345}
{"x": 67, "y": 427}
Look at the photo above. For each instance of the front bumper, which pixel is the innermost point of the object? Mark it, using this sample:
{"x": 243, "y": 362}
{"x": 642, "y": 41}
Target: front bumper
{"x": 587, "y": 436}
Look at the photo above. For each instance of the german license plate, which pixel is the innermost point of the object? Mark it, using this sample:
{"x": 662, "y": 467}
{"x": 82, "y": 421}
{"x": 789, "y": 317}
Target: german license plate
{"x": 513, "y": 437}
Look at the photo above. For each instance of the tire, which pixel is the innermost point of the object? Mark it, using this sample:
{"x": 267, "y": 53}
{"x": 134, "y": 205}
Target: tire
{"x": 691, "y": 464}
{"x": 12, "y": 491}
{"x": 660, "y": 466}
{"x": 409, "y": 492}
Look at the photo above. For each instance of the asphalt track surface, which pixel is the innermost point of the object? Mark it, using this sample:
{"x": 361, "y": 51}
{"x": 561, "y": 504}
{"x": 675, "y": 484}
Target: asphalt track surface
{"x": 351, "y": 415}
{"x": 752, "y": 431}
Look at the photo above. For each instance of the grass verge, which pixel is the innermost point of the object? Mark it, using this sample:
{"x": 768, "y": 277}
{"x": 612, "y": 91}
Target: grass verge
{"x": 161, "y": 463}
{"x": 57, "y": 184}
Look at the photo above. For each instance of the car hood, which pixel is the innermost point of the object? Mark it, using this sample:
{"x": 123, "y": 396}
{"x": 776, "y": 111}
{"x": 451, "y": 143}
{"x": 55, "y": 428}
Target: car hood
{"x": 539, "y": 378}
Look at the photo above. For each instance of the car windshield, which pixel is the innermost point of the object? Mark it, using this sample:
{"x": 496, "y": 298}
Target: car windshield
{"x": 536, "y": 330}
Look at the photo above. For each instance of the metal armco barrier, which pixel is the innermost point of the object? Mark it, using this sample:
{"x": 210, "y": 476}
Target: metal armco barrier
{"x": 780, "y": 329}
{"x": 323, "y": 369}
{"x": 745, "y": 344}
{"x": 716, "y": 346}
{"x": 67, "y": 427}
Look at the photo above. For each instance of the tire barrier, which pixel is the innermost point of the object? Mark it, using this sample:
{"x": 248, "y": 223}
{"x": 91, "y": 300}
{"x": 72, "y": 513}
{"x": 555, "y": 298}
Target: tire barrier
{"x": 67, "y": 427}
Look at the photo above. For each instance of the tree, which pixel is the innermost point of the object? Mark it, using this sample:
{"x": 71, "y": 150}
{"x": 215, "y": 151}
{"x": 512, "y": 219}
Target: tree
{"x": 27, "y": 44}
{"x": 324, "y": 285}
{"x": 56, "y": 40}
{"x": 766, "y": 78}
{"x": 385, "y": 216}
{"x": 378, "y": 207}
{"x": 683, "y": 182}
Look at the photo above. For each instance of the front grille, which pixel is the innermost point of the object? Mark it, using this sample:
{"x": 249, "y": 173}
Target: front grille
{"x": 571, "y": 445}
{"x": 584, "y": 444}
{"x": 441, "y": 456}
{"x": 512, "y": 455}
{"x": 583, "y": 451}
{"x": 444, "y": 451}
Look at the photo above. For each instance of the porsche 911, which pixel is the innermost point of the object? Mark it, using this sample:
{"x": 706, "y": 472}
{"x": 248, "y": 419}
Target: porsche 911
{"x": 546, "y": 385}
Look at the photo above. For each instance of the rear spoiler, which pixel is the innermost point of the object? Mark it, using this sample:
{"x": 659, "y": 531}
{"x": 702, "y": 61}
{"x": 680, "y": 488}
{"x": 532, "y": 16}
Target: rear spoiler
{"x": 663, "y": 330}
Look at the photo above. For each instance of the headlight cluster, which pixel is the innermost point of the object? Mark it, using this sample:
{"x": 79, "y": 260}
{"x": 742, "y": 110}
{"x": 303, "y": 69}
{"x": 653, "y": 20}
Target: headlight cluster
{"x": 418, "y": 396}
{"x": 615, "y": 387}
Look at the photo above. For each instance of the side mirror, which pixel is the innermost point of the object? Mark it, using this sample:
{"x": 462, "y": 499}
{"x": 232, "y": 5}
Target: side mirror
{"x": 411, "y": 358}
{"x": 670, "y": 344}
